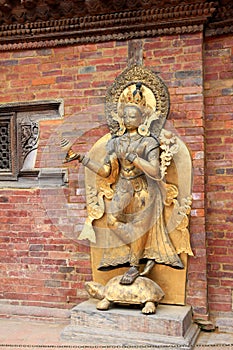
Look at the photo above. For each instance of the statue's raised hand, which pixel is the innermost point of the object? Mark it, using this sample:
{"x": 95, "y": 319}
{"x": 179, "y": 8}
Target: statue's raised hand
{"x": 71, "y": 155}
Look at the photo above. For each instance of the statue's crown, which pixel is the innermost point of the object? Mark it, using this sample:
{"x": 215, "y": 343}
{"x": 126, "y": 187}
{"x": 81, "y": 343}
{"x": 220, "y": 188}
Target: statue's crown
{"x": 135, "y": 96}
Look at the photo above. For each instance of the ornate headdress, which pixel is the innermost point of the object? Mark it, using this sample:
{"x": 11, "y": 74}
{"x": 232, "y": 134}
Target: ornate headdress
{"x": 140, "y": 87}
{"x": 137, "y": 95}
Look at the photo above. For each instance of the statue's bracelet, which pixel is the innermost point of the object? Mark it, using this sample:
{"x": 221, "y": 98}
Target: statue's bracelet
{"x": 130, "y": 157}
{"x": 84, "y": 160}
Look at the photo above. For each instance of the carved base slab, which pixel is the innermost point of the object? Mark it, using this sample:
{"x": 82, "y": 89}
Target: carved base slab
{"x": 123, "y": 326}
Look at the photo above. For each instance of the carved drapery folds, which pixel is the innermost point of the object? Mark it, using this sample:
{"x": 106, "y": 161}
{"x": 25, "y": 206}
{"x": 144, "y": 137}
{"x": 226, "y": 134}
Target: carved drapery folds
{"x": 43, "y": 23}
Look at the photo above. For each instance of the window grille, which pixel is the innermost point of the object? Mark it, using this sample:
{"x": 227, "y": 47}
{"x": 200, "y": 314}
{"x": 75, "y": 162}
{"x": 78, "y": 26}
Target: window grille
{"x": 8, "y": 151}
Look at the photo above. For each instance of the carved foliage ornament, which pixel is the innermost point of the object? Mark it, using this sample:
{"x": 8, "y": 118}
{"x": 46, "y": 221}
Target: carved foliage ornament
{"x": 29, "y": 137}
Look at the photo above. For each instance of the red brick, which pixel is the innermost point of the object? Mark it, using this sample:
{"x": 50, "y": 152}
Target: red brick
{"x": 43, "y": 81}
{"x": 227, "y": 282}
{"x": 221, "y": 307}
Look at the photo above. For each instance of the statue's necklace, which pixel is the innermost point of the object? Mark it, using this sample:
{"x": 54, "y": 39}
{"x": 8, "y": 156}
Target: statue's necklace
{"x": 133, "y": 139}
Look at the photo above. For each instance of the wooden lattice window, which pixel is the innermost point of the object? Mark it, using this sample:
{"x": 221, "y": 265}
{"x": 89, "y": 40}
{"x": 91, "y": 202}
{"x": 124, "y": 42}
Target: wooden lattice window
{"x": 8, "y": 150}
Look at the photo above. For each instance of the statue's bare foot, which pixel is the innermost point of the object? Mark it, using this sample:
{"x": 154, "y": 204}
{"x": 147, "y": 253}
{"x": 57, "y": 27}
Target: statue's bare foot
{"x": 130, "y": 276}
{"x": 149, "y": 308}
{"x": 147, "y": 269}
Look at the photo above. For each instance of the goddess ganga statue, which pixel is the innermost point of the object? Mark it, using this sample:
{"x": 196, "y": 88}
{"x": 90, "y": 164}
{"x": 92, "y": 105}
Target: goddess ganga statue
{"x": 127, "y": 197}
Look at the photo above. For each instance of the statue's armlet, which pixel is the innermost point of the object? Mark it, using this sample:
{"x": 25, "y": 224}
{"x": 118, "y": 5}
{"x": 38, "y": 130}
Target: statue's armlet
{"x": 153, "y": 154}
{"x": 110, "y": 146}
{"x": 152, "y": 149}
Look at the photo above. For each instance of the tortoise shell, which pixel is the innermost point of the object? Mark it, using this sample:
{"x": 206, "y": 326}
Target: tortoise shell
{"x": 142, "y": 290}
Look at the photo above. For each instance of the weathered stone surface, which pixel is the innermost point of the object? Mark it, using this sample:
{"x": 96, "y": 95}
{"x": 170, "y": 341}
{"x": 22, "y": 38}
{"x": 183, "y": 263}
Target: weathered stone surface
{"x": 171, "y": 325}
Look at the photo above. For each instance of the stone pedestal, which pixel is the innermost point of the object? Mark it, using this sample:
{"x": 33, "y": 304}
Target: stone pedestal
{"x": 123, "y": 326}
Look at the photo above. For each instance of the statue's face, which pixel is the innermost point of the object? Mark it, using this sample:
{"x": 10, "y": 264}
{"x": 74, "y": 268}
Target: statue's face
{"x": 132, "y": 118}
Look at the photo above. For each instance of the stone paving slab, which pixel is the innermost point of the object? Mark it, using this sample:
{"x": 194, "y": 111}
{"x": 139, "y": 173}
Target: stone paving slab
{"x": 27, "y": 334}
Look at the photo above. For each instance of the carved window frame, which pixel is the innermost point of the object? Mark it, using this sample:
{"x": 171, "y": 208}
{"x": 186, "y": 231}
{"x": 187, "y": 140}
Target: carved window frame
{"x": 23, "y": 118}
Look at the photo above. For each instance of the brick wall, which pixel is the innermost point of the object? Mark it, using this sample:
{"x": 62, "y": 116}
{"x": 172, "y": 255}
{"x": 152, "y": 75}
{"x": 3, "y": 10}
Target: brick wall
{"x": 40, "y": 262}
{"x": 39, "y": 266}
{"x": 219, "y": 176}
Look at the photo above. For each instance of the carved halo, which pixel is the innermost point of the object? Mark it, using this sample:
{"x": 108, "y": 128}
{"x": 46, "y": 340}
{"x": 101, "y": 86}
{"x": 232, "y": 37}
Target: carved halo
{"x": 156, "y": 94}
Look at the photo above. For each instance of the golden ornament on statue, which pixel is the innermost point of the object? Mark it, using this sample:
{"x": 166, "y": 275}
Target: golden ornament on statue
{"x": 70, "y": 155}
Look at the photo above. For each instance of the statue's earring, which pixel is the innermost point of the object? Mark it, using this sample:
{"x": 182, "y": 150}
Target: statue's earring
{"x": 143, "y": 130}
{"x": 121, "y": 130}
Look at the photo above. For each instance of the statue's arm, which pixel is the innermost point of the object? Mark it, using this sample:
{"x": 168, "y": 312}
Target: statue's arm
{"x": 149, "y": 167}
{"x": 150, "y": 164}
{"x": 103, "y": 170}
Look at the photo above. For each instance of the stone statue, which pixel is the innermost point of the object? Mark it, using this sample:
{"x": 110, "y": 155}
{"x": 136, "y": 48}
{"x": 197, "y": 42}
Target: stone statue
{"x": 129, "y": 194}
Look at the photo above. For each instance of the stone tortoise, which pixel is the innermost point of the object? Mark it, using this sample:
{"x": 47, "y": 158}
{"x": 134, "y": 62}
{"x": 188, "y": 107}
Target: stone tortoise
{"x": 143, "y": 291}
